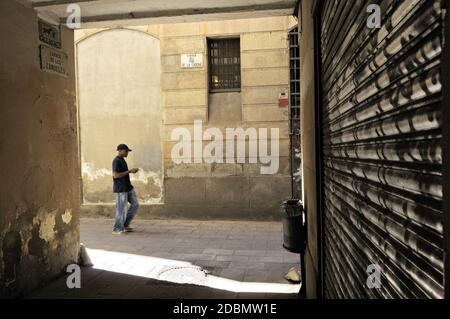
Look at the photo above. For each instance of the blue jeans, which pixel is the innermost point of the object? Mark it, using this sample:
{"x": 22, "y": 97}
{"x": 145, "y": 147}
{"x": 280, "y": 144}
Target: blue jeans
{"x": 124, "y": 217}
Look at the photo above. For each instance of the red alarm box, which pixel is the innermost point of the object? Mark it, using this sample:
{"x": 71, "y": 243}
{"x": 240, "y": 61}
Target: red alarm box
{"x": 283, "y": 99}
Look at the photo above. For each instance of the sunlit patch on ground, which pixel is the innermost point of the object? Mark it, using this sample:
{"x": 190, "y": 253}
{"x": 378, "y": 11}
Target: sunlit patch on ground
{"x": 179, "y": 272}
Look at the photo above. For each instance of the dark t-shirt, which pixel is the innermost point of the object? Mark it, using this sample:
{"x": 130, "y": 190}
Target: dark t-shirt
{"x": 123, "y": 184}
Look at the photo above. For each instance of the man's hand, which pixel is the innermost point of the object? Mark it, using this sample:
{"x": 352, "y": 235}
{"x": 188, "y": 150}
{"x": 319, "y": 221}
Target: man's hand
{"x": 120, "y": 175}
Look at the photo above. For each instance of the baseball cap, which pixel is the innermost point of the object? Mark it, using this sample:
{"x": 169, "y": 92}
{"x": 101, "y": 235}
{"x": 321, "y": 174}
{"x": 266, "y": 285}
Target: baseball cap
{"x": 123, "y": 147}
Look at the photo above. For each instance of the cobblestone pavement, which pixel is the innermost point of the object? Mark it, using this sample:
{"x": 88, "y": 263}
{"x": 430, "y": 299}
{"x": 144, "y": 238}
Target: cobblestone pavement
{"x": 239, "y": 253}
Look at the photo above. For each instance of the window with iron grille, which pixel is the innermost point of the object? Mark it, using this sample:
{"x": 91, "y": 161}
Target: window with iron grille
{"x": 224, "y": 65}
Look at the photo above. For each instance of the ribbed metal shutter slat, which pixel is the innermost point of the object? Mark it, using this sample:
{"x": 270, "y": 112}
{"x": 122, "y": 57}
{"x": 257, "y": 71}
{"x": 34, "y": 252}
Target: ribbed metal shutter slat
{"x": 381, "y": 106}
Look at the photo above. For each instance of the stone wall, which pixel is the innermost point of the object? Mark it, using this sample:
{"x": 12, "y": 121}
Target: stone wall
{"x": 211, "y": 190}
{"x": 39, "y": 195}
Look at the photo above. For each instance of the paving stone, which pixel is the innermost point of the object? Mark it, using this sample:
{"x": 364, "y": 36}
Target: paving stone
{"x": 232, "y": 258}
{"x": 250, "y": 252}
{"x": 246, "y": 265}
{"x": 291, "y": 259}
{"x": 218, "y": 251}
{"x": 268, "y": 259}
{"x": 194, "y": 257}
{"x": 254, "y": 275}
{"x": 180, "y": 250}
{"x": 234, "y": 274}
{"x": 213, "y": 266}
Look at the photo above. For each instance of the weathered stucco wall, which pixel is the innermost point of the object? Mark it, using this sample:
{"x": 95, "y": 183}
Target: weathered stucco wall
{"x": 119, "y": 100}
{"x": 216, "y": 190}
{"x": 39, "y": 195}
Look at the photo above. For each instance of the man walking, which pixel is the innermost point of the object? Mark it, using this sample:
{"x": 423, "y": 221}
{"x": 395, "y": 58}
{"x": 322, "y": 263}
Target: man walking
{"x": 124, "y": 191}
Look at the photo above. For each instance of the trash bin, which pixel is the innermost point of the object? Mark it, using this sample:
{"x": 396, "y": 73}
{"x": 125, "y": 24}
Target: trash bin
{"x": 293, "y": 230}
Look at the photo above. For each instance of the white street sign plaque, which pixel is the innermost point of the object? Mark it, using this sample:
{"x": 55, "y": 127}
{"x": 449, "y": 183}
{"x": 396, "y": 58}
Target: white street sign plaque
{"x": 53, "y": 61}
{"x": 192, "y": 60}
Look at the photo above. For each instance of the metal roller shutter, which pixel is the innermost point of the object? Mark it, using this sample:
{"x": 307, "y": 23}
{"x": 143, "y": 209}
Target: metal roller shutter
{"x": 381, "y": 156}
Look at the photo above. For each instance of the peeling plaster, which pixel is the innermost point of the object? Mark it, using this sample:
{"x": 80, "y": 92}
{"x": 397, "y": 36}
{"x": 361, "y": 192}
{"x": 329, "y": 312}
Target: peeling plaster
{"x": 88, "y": 170}
{"x": 143, "y": 177}
{"x": 153, "y": 179}
{"x": 147, "y": 178}
{"x": 46, "y": 221}
{"x": 47, "y": 229}
{"x": 67, "y": 216}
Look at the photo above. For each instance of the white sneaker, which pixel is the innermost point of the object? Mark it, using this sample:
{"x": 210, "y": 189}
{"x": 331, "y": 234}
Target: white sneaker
{"x": 118, "y": 232}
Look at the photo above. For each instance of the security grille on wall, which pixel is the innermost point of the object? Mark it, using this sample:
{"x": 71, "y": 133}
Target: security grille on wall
{"x": 294, "y": 111}
{"x": 381, "y": 136}
{"x": 224, "y": 64}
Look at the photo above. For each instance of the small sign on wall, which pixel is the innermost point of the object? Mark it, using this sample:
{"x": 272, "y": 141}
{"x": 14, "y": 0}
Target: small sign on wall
{"x": 49, "y": 34}
{"x": 192, "y": 60}
{"x": 283, "y": 99}
{"x": 53, "y": 61}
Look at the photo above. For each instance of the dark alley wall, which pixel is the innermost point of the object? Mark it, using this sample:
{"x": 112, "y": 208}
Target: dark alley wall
{"x": 39, "y": 194}
{"x": 308, "y": 132}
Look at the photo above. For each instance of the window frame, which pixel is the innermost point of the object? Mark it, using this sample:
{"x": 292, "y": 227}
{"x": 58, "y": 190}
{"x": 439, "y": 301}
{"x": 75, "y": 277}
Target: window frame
{"x": 209, "y": 40}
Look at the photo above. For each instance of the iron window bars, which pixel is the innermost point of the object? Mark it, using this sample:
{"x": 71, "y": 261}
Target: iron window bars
{"x": 224, "y": 65}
